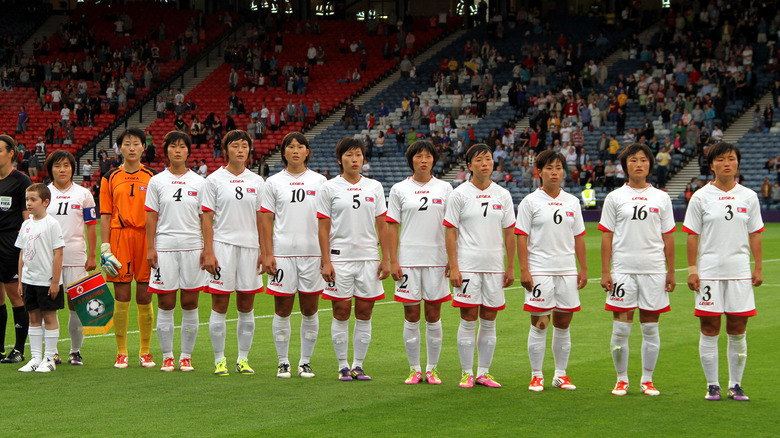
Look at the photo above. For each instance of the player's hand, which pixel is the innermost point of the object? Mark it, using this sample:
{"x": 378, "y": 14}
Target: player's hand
{"x": 582, "y": 278}
{"x": 151, "y": 258}
{"x": 606, "y": 281}
{"x": 447, "y": 270}
{"x": 327, "y": 273}
{"x": 456, "y": 280}
{"x": 396, "y": 272}
{"x": 19, "y": 289}
{"x": 526, "y": 281}
{"x": 108, "y": 261}
{"x": 260, "y": 260}
{"x": 53, "y": 291}
{"x": 270, "y": 265}
{"x": 384, "y": 269}
{"x": 757, "y": 278}
{"x": 210, "y": 263}
{"x": 670, "y": 281}
{"x": 509, "y": 277}
{"x": 91, "y": 264}
{"x": 693, "y": 282}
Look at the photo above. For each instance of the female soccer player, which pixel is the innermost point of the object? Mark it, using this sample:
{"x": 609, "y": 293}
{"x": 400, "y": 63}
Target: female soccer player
{"x": 173, "y": 211}
{"x": 122, "y": 197}
{"x": 724, "y": 228}
{"x": 418, "y": 203}
{"x": 73, "y": 207}
{"x": 550, "y": 232}
{"x": 351, "y": 211}
{"x": 637, "y": 224}
{"x": 479, "y": 221}
{"x": 292, "y": 257}
{"x": 232, "y": 233}
{"x": 13, "y": 212}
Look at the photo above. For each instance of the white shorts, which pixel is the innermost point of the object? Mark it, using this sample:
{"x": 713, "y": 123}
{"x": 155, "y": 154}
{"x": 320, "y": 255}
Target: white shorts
{"x": 480, "y": 289}
{"x": 553, "y": 292}
{"x": 646, "y": 291}
{"x": 72, "y": 274}
{"x": 178, "y": 270}
{"x": 423, "y": 283}
{"x": 732, "y": 297}
{"x": 296, "y": 274}
{"x": 237, "y": 270}
{"x": 355, "y": 279}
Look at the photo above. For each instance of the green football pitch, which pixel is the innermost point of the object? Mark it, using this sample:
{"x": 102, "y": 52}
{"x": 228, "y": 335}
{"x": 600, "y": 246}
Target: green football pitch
{"x": 97, "y": 399}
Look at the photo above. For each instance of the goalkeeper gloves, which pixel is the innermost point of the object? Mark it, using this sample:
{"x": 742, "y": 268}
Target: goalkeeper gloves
{"x": 108, "y": 261}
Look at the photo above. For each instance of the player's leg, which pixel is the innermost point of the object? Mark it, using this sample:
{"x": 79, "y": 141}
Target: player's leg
{"x": 436, "y": 290}
{"x": 561, "y": 346}
{"x": 166, "y": 303}
{"x": 123, "y": 294}
{"x": 245, "y": 330}
{"x": 621, "y": 329}
{"x": 189, "y": 327}
{"x": 217, "y": 330}
{"x": 21, "y": 323}
{"x": 492, "y": 293}
{"x": 651, "y": 346}
{"x": 36, "y": 336}
{"x": 361, "y": 336}
{"x": 3, "y": 319}
{"x": 280, "y": 327}
{"x": 51, "y": 335}
{"x": 143, "y": 298}
{"x": 736, "y": 327}
{"x": 76, "y": 333}
{"x": 310, "y": 328}
{"x": 537, "y": 345}
{"x": 708, "y": 353}
{"x": 339, "y": 333}
{"x": 412, "y": 341}
{"x": 467, "y": 339}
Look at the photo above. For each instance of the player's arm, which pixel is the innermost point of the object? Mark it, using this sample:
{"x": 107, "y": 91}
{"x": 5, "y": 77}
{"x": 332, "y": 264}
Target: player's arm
{"x": 692, "y": 246}
{"x": 451, "y": 243}
{"x": 757, "y": 251}
{"x": 105, "y": 229}
{"x": 91, "y": 248}
{"x": 384, "y": 264}
{"x": 323, "y": 235}
{"x": 395, "y": 269}
{"x": 19, "y": 283}
{"x": 522, "y": 259}
{"x": 56, "y": 273}
{"x": 268, "y": 237}
{"x": 509, "y": 247}
{"x": 261, "y": 240}
{"x": 669, "y": 254}
{"x": 582, "y": 259}
{"x": 606, "y": 255}
{"x": 210, "y": 262}
{"x": 151, "y": 230}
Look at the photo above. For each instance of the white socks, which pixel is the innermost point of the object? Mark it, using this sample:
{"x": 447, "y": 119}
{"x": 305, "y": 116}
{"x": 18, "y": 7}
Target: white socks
{"x": 52, "y": 337}
{"x": 76, "y": 331}
{"x": 310, "y": 328}
{"x": 36, "y": 342}
{"x": 339, "y": 334}
{"x": 280, "y": 327}
{"x": 619, "y": 347}
{"x": 708, "y": 352}
{"x": 466, "y": 343}
{"x": 412, "y": 344}
{"x": 361, "y": 339}
{"x": 245, "y": 332}
{"x": 537, "y": 343}
{"x": 651, "y": 344}
{"x": 217, "y": 332}
{"x": 165, "y": 332}
{"x": 737, "y": 354}
{"x": 433, "y": 339}
{"x": 486, "y": 345}
{"x": 561, "y": 345}
{"x": 189, "y": 332}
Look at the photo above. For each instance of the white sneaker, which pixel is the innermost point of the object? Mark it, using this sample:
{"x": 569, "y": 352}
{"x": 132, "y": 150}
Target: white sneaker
{"x": 47, "y": 365}
{"x": 31, "y": 366}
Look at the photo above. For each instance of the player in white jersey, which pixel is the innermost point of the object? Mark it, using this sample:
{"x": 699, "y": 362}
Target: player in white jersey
{"x": 637, "y": 224}
{"x": 479, "y": 221}
{"x": 175, "y": 254}
{"x": 351, "y": 210}
{"x": 292, "y": 253}
{"x": 550, "y": 233}
{"x": 724, "y": 228}
{"x": 73, "y": 207}
{"x": 232, "y": 238}
{"x": 418, "y": 203}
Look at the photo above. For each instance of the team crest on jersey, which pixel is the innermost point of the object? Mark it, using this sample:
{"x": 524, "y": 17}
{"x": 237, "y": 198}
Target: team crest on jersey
{"x": 436, "y": 201}
{"x": 75, "y": 207}
{"x": 310, "y": 192}
{"x": 5, "y": 203}
{"x": 250, "y": 190}
{"x": 142, "y": 188}
{"x": 192, "y": 193}
{"x": 569, "y": 214}
{"x": 741, "y": 210}
{"x": 496, "y": 206}
{"x": 369, "y": 199}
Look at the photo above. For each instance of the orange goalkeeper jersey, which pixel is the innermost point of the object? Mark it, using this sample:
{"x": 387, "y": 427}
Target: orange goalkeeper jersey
{"x": 122, "y": 196}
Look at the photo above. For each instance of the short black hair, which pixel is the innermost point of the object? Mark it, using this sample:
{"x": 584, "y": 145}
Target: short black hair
{"x": 174, "y": 137}
{"x": 416, "y": 148}
{"x": 635, "y": 148}
{"x": 232, "y": 136}
{"x": 300, "y": 138}
{"x": 347, "y": 144}
{"x": 10, "y": 145}
{"x": 56, "y": 157}
{"x": 721, "y": 148}
{"x": 476, "y": 150}
{"x": 549, "y": 156}
{"x": 131, "y": 132}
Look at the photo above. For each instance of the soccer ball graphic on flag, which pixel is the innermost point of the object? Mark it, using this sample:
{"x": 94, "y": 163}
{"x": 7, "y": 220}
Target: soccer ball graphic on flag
{"x": 95, "y": 308}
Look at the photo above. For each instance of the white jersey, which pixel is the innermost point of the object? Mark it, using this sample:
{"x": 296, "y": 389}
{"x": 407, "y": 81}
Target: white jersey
{"x": 551, "y": 225}
{"x": 420, "y": 209}
{"x": 352, "y": 209}
{"x": 723, "y": 221}
{"x": 638, "y": 218}
{"x": 72, "y": 209}
{"x": 480, "y": 217}
{"x": 293, "y": 201}
{"x": 38, "y": 239}
{"x": 177, "y": 201}
{"x": 235, "y": 201}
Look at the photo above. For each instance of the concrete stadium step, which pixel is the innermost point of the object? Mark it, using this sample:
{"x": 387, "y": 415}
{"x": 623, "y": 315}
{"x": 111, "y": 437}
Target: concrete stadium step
{"x": 47, "y": 29}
